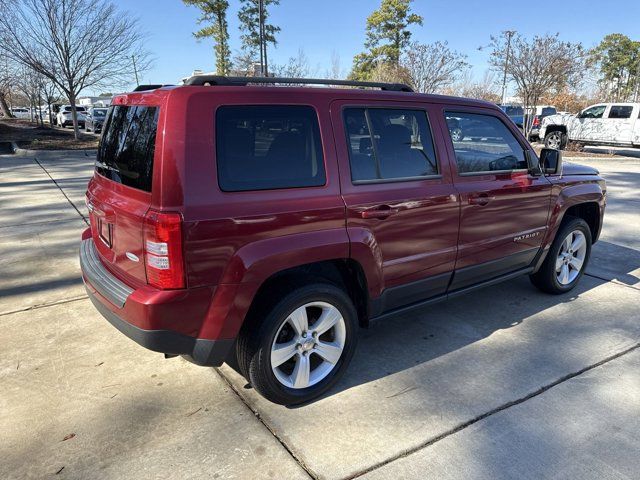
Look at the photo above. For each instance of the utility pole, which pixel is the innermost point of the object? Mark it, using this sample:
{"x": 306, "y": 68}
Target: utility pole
{"x": 135, "y": 70}
{"x": 263, "y": 66}
{"x": 637, "y": 76}
{"x": 509, "y": 34}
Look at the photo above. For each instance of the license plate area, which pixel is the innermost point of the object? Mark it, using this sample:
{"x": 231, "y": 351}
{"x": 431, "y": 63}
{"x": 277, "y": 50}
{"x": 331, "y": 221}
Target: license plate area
{"x": 105, "y": 232}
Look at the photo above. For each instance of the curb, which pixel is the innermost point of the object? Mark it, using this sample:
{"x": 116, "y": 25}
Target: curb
{"x": 24, "y": 152}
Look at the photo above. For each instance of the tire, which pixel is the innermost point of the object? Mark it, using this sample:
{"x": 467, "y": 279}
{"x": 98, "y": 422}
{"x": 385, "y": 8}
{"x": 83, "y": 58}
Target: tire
{"x": 556, "y": 140}
{"x": 456, "y": 134}
{"x": 550, "y": 278}
{"x": 283, "y": 323}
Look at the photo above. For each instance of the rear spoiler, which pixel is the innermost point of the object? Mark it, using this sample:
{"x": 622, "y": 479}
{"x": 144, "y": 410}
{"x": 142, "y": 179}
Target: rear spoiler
{"x": 144, "y": 88}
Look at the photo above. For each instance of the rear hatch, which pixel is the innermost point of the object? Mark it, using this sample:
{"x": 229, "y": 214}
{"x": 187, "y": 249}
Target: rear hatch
{"x": 119, "y": 194}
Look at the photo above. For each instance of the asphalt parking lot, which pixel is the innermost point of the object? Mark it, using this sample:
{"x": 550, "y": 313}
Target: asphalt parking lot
{"x": 506, "y": 382}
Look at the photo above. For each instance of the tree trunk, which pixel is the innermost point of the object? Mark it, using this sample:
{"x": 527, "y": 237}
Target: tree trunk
{"x": 4, "y": 107}
{"x": 74, "y": 115}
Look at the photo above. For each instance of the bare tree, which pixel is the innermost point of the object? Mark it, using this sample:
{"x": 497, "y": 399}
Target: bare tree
{"x": 485, "y": 88}
{"x": 538, "y": 66}
{"x": 296, "y": 67}
{"x": 27, "y": 83}
{"x": 335, "y": 71}
{"x": 49, "y": 93}
{"x": 7, "y": 81}
{"x": 432, "y": 67}
{"x": 65, "y": 41}
{"x": 390, "y": 73}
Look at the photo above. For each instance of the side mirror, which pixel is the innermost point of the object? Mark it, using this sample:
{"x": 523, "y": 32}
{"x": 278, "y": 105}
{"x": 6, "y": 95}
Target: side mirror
{"x": 551, "y": 161}
{"x": 533, "y": 164}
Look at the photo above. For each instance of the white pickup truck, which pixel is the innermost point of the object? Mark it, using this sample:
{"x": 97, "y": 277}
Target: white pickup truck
{"x": 615, "y": 124}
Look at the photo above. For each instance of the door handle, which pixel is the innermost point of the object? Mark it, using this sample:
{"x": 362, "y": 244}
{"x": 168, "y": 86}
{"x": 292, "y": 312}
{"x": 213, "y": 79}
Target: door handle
{"x": 382, "y": 211}
{"x": 480, "y": 199}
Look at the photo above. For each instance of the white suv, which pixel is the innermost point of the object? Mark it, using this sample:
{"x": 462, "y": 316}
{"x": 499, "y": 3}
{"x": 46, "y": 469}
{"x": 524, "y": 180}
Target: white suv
{"x": 65, "y": 119}
{"x": 615, "y": 124}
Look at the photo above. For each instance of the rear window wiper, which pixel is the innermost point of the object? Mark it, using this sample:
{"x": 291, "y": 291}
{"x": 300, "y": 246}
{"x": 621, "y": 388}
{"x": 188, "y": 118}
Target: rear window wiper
{"x": 105, "y": 166}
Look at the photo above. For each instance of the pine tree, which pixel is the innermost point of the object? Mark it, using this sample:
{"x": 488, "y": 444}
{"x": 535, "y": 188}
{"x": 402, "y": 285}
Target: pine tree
{"x": 249, "y": 16}
{"x": 214, "y": 14}
{"x": 387, "y": 36}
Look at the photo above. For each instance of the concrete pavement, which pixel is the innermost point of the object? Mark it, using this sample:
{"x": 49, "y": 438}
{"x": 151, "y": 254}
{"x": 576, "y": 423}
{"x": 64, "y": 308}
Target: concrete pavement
{"x": 504, "y": 383}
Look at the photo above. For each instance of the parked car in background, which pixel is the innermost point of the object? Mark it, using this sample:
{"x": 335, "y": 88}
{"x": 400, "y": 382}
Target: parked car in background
{"x": 267, "y": 238}
{"x": 539, "y": 113}
{"x": 22, "y": 113}
{"x": 94, "y": 119}
{"x": 65, "y": 119}
{"x": 616, "y": 124}
{"x": 515, "y": 113}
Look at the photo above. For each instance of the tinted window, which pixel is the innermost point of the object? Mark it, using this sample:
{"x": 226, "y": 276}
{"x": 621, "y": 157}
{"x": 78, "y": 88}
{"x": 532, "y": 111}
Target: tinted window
{"x": 594, "y": 112}
{"x": 267, "y": 147}
{"x": 620, "y": 111}
{"x": 484, "y": 144}
{"x": 401, "y": 145}
{"x": 125, "y": 154}
{"x": 546, "y": 111}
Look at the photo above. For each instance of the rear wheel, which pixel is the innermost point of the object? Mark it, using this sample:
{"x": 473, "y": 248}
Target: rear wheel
{"x": 301, "y": 346}
{"x": 566, "y": 260}
{"x": 556, "y": 140}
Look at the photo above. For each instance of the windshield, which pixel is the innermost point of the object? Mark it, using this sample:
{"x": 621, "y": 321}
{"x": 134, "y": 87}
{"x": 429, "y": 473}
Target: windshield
{"x": 99, "y": 113}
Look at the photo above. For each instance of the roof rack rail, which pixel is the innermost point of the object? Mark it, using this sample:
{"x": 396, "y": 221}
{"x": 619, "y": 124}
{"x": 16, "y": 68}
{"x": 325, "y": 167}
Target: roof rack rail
{"x": 220, "y": 80}
{"x": 143, "y": 88}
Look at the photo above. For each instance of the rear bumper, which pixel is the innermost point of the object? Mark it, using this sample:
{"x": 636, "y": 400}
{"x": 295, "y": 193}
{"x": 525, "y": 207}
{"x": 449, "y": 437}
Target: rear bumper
{"x": 68, "y": 123}
{"x": 118, "y": 303}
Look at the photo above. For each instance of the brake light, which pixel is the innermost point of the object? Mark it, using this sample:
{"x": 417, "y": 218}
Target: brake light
{"x": 163, "y": 249}
{"x": 536, "y": 121}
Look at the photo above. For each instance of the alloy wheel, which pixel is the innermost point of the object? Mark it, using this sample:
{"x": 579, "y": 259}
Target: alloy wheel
{"x": 571, "y": 256}
{"x": 308, "y": 345}
{"x": 554, "y": 140}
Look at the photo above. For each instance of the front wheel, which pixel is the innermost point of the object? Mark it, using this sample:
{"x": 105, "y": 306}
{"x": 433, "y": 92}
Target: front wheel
{"x": 556, "y": 140}
{"x": 567, "y": 258}
{"x": 456, "y": 134}
{"x": 301, "y": 346}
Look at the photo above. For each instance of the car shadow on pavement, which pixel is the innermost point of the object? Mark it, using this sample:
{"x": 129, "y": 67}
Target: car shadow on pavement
{"x": 401, "y": 342}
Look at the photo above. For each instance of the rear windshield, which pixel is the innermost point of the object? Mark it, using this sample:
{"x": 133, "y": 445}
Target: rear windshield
{"x": 546, "y": 111}
{"x": 125, "y": 154}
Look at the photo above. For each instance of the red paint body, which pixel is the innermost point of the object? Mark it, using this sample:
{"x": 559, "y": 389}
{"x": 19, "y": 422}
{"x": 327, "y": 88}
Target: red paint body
{"x": 233, "y": 242}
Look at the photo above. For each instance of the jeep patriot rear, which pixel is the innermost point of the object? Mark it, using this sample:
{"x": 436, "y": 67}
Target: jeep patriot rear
{"x": 262, "y": 225}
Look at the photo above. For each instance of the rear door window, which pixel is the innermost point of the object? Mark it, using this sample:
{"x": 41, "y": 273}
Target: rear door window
{"x": 620, "y": 111}
{"x": 389, "y": 144}
{"x": 125, "y": 154}
{"x": 267, "y": 147}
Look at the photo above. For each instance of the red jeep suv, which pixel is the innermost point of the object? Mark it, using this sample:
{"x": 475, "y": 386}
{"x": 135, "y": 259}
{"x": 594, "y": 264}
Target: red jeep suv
{"x": 262, "y": 224}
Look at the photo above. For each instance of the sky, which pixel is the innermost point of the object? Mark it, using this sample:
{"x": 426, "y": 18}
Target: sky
{"x": 322, "y": 27}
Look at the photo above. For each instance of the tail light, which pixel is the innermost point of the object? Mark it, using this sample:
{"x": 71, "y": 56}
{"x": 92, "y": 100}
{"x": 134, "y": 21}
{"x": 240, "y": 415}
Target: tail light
{"x": 536, "y": 121}
{"x": 163, "y": 249}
